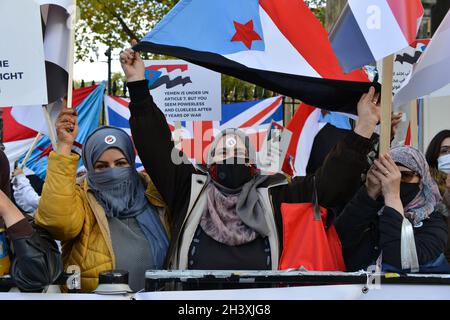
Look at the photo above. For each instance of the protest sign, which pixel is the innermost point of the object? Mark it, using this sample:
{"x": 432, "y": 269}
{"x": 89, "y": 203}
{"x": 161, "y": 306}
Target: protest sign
{"x": 184, "y": 91}
{"x": 22, "y": 66}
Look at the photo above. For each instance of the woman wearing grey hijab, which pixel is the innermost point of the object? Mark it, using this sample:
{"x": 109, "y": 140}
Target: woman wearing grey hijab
{"x": 114, "y": 219}
{"x": 397, "y": 216}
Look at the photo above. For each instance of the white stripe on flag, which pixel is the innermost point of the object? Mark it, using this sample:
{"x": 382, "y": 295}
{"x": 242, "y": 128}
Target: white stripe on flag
{"x": 15, "y": 149}
{"x": 432, "y": 72}
{"x": 279, "y": 54}
{"x": 117, "y": 107}
{"x": 305, "y": 143}
{"x": 379, "y": 27}
{"x": 57, "y": 37}
{"x": 62, "y": 3}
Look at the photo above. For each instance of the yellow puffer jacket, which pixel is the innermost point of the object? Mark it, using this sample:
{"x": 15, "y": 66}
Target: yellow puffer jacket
{"x": 71, "y": 213}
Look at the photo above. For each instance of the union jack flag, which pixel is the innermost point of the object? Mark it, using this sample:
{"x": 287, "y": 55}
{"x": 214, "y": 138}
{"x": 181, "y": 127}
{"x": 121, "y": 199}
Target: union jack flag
{"x": 253, "y": 117}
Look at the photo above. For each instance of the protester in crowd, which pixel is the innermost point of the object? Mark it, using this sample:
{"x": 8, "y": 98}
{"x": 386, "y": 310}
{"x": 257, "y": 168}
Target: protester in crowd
{"x": 111, "y": 220}
{"x": 24, "y": 194}
{"x": 438, "y": 158}
{"x": 231, "y": 217}
{"x": 399, "y": 200}
{"x": 36, "y": 261}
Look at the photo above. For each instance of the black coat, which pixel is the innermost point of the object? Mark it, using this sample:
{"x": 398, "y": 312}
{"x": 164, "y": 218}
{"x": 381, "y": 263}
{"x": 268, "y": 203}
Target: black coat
{"x": 337, "y": 180}
{"x": 364, "y": 234}
{"x": 36, "y": 260}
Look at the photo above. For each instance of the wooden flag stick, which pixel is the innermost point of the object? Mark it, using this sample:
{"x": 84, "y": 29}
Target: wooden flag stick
{"x": 50, "y": 127}
{"x": 30, "y": 151}
{"x": 414, "y": 124}
{"x": 386, "y": 104}
{"x": 70, "y": 55}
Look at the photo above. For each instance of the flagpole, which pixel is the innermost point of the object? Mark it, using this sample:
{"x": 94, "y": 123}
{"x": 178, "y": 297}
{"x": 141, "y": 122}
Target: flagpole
{"x": 51, "y": 129}
{"x": 414, "y": 124}
{"x": 386, "y": 104}
{"x": 30, "y": 151}
{"x": 70, "y": 55}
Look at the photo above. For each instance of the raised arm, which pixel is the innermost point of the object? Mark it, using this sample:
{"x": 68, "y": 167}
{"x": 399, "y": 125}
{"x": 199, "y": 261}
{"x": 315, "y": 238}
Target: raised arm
{"x": 24, "y": 194}
{"x": 61, "y": 208}
{"x": 340, "y": 175}
{"x": 168, "y": 168}
{"x": 359, "y": 213}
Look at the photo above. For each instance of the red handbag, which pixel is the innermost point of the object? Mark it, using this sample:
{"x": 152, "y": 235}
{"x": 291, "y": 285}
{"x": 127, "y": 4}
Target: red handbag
{"x": 307, "y": 242}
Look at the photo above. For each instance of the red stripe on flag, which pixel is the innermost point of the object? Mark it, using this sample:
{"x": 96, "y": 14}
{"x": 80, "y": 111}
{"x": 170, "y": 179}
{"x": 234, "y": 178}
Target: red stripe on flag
{"x": 120, "y": 101}
{"x": 257, "y": 139}
{"x": 251, "y": 122}
{"x": 408, "y": 136}
{"x": 407, "y": 13}
{"x": 80, "y": 94}
{"x": 307, "y": 35}
{"x": 203, "y": 137}
{"x": 14, "y": 131}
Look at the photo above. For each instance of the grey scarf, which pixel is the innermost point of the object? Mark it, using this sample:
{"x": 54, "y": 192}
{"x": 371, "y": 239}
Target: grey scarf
{"x": 234, "y": 217}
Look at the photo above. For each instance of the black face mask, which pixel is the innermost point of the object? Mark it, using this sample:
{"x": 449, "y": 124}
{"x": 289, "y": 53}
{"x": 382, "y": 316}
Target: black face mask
{"x": 408, "y": 191}
{"x": 231, "y": 176}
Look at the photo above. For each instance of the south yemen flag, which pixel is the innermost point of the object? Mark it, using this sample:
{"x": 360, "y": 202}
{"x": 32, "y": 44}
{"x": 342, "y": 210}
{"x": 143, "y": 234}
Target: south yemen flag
{"x": 369, "y": 30}
{"x": 276, "y": 44}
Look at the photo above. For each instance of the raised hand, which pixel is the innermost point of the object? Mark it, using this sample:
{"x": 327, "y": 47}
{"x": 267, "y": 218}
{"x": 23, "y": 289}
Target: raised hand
{"x": 369, "y": 113}
{"x": 395, "y": 121}
{"x": 373, "y": 184}
{"x": 390, "y": 177}
{"x": 66, "y": 129}
{"x": 132, "y": 64}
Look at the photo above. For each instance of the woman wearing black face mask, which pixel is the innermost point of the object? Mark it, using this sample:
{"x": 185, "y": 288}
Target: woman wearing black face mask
{"x": 398, "y": 215}
{"x": 230, "y": 216}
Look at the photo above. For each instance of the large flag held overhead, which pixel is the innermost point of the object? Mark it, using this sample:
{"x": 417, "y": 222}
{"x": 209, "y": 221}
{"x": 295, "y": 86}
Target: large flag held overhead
{"x": 432, "y": 72}
{"x": 88, "y": 103}
{"x": 277, "y": 44}
{"x": 368, "y": 31}
{"x": 253, "y": 117}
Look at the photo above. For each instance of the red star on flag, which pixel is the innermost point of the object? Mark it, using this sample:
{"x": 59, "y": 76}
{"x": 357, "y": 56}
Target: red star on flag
{"x": 245, "y": 33}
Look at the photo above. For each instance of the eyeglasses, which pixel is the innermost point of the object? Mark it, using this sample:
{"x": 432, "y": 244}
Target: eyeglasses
{"x": 444, "y": 150}
{"x": 408, "y": 176}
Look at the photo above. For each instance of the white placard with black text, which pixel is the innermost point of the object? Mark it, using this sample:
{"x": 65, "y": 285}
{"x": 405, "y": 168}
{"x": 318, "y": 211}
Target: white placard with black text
{"x": 22, "y": 64}
{"x": 185, "y": 91}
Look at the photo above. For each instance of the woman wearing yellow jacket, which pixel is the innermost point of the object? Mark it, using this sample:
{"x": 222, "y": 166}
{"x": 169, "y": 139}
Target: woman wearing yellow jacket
{"x": 114, "y": 219}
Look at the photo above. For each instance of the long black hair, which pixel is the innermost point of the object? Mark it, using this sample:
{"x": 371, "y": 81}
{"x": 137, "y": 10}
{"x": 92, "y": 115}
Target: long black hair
{"x": 434, "y": 149}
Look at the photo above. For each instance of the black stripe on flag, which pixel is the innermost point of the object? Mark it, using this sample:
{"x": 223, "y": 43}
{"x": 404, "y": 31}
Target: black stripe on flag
{"x": 333, "y": 95}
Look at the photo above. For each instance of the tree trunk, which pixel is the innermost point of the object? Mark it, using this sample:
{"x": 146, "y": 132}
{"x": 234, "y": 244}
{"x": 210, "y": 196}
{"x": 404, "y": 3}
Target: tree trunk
{"x": 334, "y": 9}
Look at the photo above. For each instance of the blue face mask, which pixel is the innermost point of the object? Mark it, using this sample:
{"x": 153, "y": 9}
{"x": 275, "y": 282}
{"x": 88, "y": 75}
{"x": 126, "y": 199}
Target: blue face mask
{"x": 444, "y": 163}
{"x": 118, "y": 191}
{"x": 110, "y": 177}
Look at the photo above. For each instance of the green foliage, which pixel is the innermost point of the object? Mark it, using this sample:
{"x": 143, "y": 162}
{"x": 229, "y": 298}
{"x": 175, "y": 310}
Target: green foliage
{"x": 115, "y": 22}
